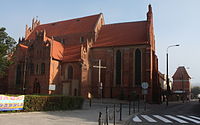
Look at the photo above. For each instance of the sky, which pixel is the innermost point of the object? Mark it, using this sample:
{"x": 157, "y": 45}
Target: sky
{"x": 175, "y": 22}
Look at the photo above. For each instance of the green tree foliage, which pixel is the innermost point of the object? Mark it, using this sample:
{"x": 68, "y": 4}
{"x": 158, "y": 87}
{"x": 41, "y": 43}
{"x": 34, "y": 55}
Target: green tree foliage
{"x": 7, "y": 47}
{"x": 195, "y": 90}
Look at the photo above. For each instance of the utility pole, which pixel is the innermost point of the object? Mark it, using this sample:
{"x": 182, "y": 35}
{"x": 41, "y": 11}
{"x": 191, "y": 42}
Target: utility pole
{"x": 100, "y": 83}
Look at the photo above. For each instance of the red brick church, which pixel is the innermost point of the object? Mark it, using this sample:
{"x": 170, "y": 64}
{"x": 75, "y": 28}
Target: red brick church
{"x": 61, "y": 58}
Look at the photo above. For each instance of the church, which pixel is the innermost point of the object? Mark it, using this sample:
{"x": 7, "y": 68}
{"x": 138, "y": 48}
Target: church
{"x": 84, "y": 55}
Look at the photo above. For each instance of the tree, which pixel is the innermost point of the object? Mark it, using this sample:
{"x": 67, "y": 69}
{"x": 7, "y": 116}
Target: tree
{"x": 7, "y": 47}
{"x": 195, "y": 90}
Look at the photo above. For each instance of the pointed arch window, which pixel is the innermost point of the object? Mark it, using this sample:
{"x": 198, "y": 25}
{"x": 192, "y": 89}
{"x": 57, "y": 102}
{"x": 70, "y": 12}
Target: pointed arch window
{"x": 138, "y": 67}
{"x": 70, "y": 72}
{"x": 31, "y": 68}
{"x": 118, "y": 67}
{"x": 43, "y": 68}
{"x": 37, "y": 69}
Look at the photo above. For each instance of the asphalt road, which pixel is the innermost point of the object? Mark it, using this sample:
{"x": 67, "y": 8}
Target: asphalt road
{"x": 177, "y": 113}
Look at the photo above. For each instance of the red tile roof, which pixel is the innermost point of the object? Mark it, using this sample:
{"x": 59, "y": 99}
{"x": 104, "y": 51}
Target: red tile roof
{"x": 72, "y": 53}
{"x": 57, "y": 49}
{"x": 181, "y": 73}
{"x": 121, "y": 34}
{"x": 23, "y": 48}
{"x": 65, "y": 53}
{"x": 78, "y": 25}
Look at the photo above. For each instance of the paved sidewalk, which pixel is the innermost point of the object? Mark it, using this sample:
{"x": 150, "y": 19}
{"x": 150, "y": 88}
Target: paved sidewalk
{"x": 85, "y": 116}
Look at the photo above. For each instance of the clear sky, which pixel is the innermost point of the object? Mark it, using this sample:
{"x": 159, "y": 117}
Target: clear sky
{"x": 175, "y": 22}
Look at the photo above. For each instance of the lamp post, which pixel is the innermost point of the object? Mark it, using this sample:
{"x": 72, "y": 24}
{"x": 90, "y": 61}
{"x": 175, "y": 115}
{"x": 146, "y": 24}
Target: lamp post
{"x": 168, "y": 87}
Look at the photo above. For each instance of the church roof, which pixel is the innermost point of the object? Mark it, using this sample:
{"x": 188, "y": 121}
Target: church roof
{"x": 70, "y": 31}
{"x": 23, "y": 48}
{"x": 122, "y": 34}
{"x": 72, "y": 53}
{"x": 181, "y": 73}
{"x": 57, "y": 49}
{"x": 78, "y": 25}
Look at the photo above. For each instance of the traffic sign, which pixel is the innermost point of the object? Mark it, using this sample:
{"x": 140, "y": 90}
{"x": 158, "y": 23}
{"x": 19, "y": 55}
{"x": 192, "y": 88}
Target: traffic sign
{"x": 145, "y": 85}
{"x": 144, "y": 91}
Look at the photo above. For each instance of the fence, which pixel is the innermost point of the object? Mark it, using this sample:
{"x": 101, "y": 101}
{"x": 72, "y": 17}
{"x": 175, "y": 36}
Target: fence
{"x": 114, "y": 113}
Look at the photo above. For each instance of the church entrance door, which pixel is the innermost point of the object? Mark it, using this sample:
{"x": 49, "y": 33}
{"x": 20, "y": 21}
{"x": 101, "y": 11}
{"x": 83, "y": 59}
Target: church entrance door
{"x": 66, "y": 89}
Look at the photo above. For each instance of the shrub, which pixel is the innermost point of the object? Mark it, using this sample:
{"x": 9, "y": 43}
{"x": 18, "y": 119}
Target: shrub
{"x": 51, "y": 103}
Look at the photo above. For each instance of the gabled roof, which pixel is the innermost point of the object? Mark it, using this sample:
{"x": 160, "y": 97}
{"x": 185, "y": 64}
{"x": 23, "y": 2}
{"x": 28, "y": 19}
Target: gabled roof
{"x": 78, "y": 25}
{"x": 23, "y": 48}
{"x": 122, "y": 34}
{"x": 72, "y": 53}
{"x": 57, "y": 49}
{"x": 181, "y": 73}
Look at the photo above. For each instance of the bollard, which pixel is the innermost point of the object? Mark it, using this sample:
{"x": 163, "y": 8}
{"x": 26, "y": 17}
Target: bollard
{"x": 90, "y": 99}
{"x": 145, "y": 106}
{"x": 100, "y": 118}
{"x": 114, "y": 115}
{"x": 107, "y": 116}
{"x": 90, "y": 102}
{"x": 129, "y": 108}
{"x": 138, "y": 103}
{"x": 120, "y": 112}
{"x": 133, "y": 106}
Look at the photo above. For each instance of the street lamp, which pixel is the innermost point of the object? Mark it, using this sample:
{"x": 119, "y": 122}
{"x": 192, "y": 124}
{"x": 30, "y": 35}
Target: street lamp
{"x": 168, "y": 87}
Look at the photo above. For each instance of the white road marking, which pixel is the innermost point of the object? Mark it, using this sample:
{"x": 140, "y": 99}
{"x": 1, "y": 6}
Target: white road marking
{"x": 162, "y": 119}
{"x": 189, "y": 119}
{"x": 137, "y": 119}
{"x": 195, "y": 117}
{"x": 176, "y": 119}
{"x": 148, "y": 118}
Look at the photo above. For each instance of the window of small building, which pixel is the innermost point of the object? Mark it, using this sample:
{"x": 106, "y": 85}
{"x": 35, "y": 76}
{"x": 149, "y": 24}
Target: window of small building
{"x": 43, "y": 68}
{"x": 118, "y": 67}
{"x": 70, "y": 73}
{"x": 138, "y": 67}
{"x": 81, "y": 39}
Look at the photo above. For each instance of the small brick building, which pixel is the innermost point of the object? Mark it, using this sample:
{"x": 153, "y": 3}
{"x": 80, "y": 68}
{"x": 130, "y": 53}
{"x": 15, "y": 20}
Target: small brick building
{"x": 63, "y": 54}
{"x": 181, "y": 81}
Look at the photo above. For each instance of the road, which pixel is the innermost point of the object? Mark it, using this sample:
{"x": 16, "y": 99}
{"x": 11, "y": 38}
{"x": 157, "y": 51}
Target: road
{"x": 155, "y": 115}
{"x": 177, "y": 113}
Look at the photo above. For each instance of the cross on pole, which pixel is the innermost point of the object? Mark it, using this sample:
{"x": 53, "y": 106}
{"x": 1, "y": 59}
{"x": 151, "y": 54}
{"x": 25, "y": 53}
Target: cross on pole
{"x": 100, "y": 67}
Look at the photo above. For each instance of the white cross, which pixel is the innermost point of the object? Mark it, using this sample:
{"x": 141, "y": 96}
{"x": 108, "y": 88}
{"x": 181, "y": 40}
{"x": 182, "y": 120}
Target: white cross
{"x": 99, "y": 67}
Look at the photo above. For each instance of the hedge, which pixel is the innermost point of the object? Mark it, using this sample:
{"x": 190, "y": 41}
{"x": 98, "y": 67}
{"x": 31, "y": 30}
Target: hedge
{"x": 51, "y": 103}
